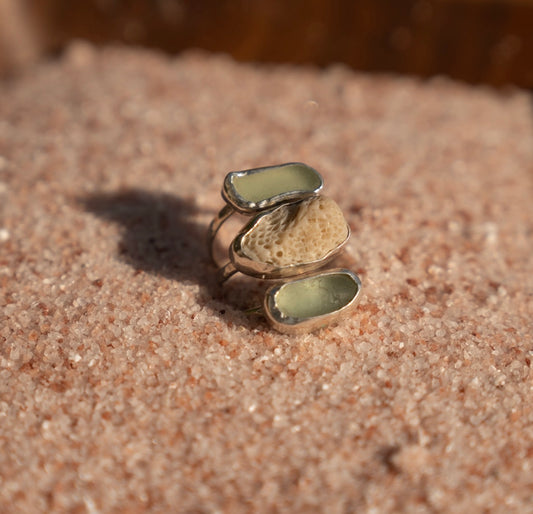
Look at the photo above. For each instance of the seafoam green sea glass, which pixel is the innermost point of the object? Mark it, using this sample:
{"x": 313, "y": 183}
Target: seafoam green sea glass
{"x": 312, "y": 301}
{"x": 261, "y": 188}
{"x": 315, "y": 296}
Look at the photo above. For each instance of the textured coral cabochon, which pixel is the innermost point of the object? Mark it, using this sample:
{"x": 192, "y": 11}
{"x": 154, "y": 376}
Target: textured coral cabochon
{"x": 297, "y": 233}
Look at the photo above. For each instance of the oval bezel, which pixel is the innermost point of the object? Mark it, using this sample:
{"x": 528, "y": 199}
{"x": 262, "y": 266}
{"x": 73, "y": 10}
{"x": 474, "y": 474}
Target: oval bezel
{"x": 294, "y": 325}
{"x": 268, "y": 271}
{"x": 244, "y": 206}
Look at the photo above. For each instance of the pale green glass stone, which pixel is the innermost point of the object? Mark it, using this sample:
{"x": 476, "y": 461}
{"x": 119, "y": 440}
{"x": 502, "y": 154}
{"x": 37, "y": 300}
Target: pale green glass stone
{"x": 315, "y": 296}
{"x": 270, "y": 182}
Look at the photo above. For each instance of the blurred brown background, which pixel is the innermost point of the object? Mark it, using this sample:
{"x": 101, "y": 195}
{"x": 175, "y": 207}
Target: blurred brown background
{"x": 479, "y": 41}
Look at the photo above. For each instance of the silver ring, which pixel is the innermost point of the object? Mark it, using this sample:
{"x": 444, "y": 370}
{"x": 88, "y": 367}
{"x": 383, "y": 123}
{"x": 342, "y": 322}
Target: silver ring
{"x": 294, "y": 231}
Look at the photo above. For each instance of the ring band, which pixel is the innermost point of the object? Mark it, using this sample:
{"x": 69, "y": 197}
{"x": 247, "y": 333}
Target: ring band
{"x": 255, "y": 190}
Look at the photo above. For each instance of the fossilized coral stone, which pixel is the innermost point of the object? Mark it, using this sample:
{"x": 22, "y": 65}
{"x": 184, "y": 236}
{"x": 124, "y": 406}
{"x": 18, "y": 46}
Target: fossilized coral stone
{"x": 297, "y": 233}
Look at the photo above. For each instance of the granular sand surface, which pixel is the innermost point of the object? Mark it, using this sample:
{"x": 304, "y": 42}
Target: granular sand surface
{"x": 130, "y": 382}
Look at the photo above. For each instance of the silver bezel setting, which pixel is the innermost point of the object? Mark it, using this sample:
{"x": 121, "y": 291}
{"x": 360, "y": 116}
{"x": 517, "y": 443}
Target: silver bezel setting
{"x": 268, "y": 271}
{"x": 293, "y": 325}
{"x": 241, "y": 205}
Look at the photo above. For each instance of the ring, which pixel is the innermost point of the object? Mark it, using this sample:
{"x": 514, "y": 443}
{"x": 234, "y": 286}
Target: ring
{"x": 256, "y": 190}
{"x": 289, "y": 240}
{"x": 293, "y": 232}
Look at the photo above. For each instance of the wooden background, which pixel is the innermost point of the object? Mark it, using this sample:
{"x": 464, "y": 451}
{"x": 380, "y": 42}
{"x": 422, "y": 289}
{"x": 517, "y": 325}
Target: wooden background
{"x": 479, "y": 41}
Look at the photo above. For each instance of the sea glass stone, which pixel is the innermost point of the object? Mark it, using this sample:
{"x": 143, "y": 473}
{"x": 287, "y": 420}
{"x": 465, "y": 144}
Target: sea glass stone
{"x": 314, "y": 296}
{"x": 265, "y": 187}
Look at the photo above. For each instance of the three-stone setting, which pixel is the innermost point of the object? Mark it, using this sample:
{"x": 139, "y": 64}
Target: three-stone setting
{"x": 293, "y": 233}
